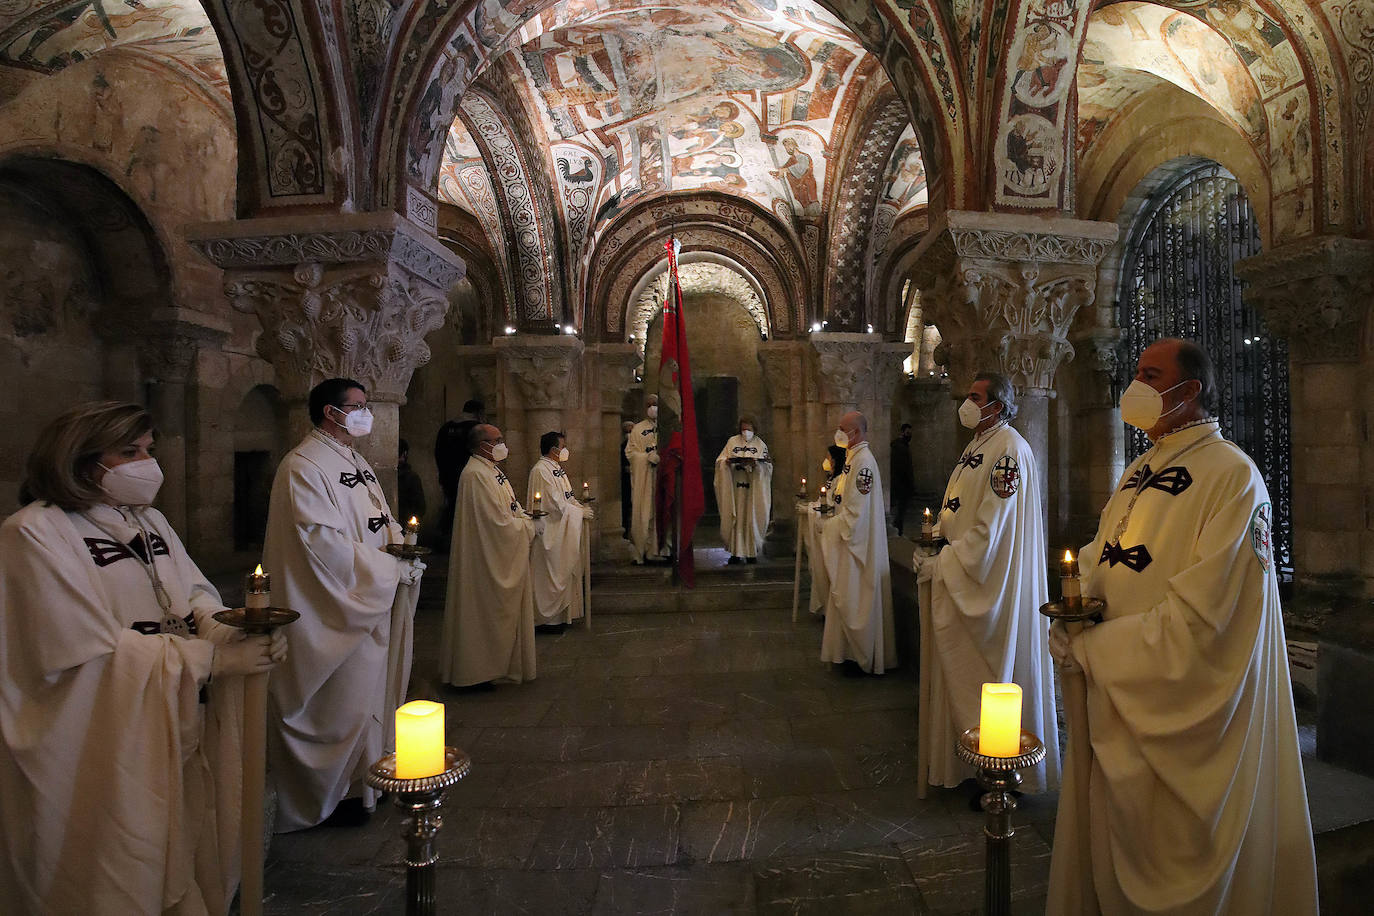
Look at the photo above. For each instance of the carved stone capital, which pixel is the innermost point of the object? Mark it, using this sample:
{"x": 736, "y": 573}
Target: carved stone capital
{"x": 542, "y": 368}
{"x": 617, "y": 364}
{"x": 1003, "y": 290}
{"x": 781, "y": 362}
{"x": 367, "y": 323}
{"x": 887, "y": 369}
{"x": 167, "y": 346}
{"x": 845, "y": 364}
{"x": 1314, "y": 293}
{"x": 334, "y": 241}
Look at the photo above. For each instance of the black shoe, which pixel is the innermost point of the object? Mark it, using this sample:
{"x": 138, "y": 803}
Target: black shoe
{"x": 852, "y": 669}
{"x": 350, "y": 813}
{"x": 733, "y": 560}
{"x": 751, "y": 559}
{"x": 484, "y": 687}
{"x": 551, "y": 628}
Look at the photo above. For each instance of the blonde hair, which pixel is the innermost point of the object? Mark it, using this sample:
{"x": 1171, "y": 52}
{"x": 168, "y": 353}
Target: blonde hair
{"x": 61, "y": 467}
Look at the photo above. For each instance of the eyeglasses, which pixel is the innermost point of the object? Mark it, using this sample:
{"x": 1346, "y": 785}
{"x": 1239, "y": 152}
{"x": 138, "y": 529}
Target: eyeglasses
{"x": 349, "y": 408}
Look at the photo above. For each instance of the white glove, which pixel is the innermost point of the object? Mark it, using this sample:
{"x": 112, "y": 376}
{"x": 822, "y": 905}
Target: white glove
{"x": 1061, "y": 648}
{"x": 242, "y": 656}
{"x": 539, "y": 527}
{"x": 276, "y": 648}
{"x": 412, "y": 570}
{"x": 925, "y": 565}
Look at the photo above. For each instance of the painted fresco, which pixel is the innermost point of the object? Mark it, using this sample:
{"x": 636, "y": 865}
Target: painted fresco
{"x": 904, "y": 179}
{"x": 43, "y": 36}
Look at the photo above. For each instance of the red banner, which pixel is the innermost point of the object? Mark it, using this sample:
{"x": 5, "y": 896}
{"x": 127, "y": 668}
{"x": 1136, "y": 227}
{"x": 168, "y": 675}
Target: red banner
{"x": 679, "y": 453}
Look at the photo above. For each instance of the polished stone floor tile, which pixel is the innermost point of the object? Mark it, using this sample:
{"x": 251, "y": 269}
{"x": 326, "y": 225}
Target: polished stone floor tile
{"x": 692, "y": 779}
{"x": 733, "y": 831}
{"x": 676, "y": 891}
{"x": 860, "y": 881}
{"x": 633, "y": 836}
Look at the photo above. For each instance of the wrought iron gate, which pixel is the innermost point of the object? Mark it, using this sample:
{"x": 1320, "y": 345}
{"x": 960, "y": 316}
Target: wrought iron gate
{"x": 1177, "y": 281}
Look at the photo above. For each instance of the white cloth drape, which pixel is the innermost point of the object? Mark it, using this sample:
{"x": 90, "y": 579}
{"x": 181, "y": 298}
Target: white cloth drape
{"x": 327, "y": 525}
{"x": 858, "y": 620}
{"x": 1183, "y": 788}
{"x": 489, "y": 612}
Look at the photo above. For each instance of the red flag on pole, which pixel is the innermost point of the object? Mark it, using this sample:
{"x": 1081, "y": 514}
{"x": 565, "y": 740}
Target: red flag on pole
{"x": 679, "y": 453}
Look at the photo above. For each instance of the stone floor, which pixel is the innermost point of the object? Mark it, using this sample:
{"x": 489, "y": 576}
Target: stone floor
{"x": 675, "y": 763}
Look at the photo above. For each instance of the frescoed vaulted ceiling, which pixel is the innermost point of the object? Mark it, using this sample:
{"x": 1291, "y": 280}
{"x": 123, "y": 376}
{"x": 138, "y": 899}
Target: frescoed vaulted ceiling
{"x": 38, "y": 37}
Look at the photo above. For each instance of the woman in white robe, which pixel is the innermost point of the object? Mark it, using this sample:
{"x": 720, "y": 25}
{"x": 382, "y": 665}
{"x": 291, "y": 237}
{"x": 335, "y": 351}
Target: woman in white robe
{"x": 119, "y": 769}
{"x": 556, "y": 554}
{"x": 744, "y": 493}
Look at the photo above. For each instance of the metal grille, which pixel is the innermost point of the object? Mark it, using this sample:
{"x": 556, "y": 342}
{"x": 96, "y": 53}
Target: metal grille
{"x": 1177, "y": 281}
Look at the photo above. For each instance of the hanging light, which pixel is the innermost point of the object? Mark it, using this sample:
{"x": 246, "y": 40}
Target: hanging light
{"x": 870, "y": 329}
{"x": 509, "y": 330}
{"x": 815, "y": 327}
{"x": 569, "y": 329}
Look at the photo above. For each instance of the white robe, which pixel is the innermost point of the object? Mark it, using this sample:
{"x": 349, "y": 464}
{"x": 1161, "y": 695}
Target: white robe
{"x": 858, "y": 620}
{"x": 981, "y": 607}
{"x": 489, "y": 612}
{"x": 556, "y": 555}
{"x": 811, "y": 522}
{"x": 1183, "y": 787}
{"x": 327, "y": 525}
{"x": 744, "y": 495}
{"x": 641, "y": 447}
{"x": 119, "y": 789}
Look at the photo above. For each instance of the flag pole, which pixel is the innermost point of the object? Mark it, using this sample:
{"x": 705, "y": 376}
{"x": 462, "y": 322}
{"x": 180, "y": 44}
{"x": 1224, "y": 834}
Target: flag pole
{"x": 676, "y": 549}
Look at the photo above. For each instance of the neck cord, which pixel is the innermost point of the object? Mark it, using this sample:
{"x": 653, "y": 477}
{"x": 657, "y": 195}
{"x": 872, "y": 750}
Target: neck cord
{"x": 170, "y": 623}
{"x": 1144, "y": 482}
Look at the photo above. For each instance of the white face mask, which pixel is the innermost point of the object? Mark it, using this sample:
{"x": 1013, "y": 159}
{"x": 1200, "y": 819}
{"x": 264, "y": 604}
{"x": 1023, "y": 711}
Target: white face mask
{"x": 499, "y": 451}
{"x": 827, "y": 466}
{"x": 134, "y": 483}
{"x": 970, "y": 414}
{"x": 562, "y": 454}
{"x": 652, "y": 412}
{"x": 1143, "y": 407}
{"x": 841, "y": 439}
{"x": 358, "y": 422}
{"x": 748, "y": 435}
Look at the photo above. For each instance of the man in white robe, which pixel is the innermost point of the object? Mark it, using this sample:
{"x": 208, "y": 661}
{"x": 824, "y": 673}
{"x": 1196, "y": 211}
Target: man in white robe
{"x": 831, "y": 467}
{"x": 981, "y": 594}
{"x": 642, "y": 450}
{"x": 1183, "y": 785}
{"x": 327, "y": 526}
{"x": 744, "y": 493}
{"x": 489, "y": 611}
{"x": 858, "y": 620}
{"x": 556, "y": 554}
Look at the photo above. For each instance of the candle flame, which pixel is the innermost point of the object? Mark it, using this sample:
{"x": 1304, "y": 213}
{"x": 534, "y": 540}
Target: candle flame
{"x": 258, "y": 570}
{"x": 1068, "y": 556}
{"x": 536, "y": 494}
{"x": 927, "y": 513}
{"x": 414, "y": 520}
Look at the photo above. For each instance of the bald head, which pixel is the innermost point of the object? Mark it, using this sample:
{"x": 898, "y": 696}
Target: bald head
{"x": 1182, "y": 373}
{"x": 482, "y": 438}
{"x": 855, "y": 426}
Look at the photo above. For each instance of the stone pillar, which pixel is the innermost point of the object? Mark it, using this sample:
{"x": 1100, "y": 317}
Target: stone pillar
{"x": 1092, "y": 454}
{"x": 616, "y": 364}
{"x": 1315, "y": 293}
{"x": 1003, "y": 289}
{"x": 782, "y": 379}
{"x": 343, "y": 295}
{"x": 542, "y": 393}
{"x": 167, "y": 350}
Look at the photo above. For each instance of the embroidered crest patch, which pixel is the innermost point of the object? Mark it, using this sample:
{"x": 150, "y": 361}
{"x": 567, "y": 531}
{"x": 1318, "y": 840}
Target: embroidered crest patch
{"x": 1261, "y": 535}
{"x": 1006, "y": 476}
{"x": 865, "y": 481}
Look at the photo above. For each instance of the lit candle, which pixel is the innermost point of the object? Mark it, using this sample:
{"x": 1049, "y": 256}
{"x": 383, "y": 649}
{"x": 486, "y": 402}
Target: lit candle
{"x": 259, "y": 593}
{"x": 927, "y": 525}
{"x": 999, "y": 723}
{"x": 801, "y": 490}
{"x": 412, "y": 531}
{"x": 586, "y": 491}
{"x": 1070, "y": 587}
{"x": 419, "y": 740}
{"x": 538, "y": 504}
{"x": 822, "y": 492}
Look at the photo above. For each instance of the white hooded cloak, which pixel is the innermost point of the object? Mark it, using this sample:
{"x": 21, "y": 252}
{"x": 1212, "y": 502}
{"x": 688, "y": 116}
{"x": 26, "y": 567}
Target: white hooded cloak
{"x": 1183, "y": 787}
{"x": 119, "y": 788}
{"x": 489, "y": 612}
{"x": 858, "y": 620}
{"x": 641, "y": 447}
{"x": 327, "y": 525}
{"x": 744, "y": 495}
{"x": 980, "y": 609}
{"x": 556, "y": 554}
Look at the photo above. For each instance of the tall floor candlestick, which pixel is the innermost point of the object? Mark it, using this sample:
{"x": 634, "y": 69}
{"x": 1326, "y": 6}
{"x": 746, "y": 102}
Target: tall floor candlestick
{"x": 1000, "y": 776}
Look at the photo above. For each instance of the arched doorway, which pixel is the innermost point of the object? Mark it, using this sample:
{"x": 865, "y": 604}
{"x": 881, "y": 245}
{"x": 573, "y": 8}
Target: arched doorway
{"x": 1178, "y": 280}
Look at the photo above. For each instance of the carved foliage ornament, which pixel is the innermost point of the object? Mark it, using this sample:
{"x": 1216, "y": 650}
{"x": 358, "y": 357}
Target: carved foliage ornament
{"x": 543, "y": 375}
{"x": 366, "y": 324}
{"x": 1315, "y": 293}
{"x": 342, "y": 247}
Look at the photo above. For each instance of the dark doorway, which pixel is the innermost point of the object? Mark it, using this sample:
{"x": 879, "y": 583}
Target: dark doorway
{"x": 717, "y": 400}
{"x": 252, "y": 490}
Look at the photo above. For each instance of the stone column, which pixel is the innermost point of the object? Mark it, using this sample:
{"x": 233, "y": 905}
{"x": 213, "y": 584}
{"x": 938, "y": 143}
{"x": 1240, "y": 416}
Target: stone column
{"x": 343, "y": 295}
{"x": 542, "y": 394}
{"x": 1003, "y": 290}
{"x": 1092, "y": 454}
{"x": 782, "y": 379}
{"x": 167, "y": 350}
{"x": 1315, "y": 293}
{"x": 616, "y": 364}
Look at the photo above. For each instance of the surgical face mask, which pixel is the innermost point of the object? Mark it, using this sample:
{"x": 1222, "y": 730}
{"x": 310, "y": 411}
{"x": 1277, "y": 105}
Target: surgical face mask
{"x": 841, "y": 439}
{"x": 134, "y": 483}
{"x": 357, "y": 422}
{"x": 970, "y": 414}
{"x": 748, "y": 435}
{"x": 499, "y": 452}
{"x": 652, "y": 412}
{"x": 562, "y": 454}
{"x": 827, "y": 466}
{"x": 1143, "y": 407}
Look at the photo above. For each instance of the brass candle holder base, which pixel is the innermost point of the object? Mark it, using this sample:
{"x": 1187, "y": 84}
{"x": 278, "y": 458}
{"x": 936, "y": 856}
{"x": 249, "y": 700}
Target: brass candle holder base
{"x": 407, "y": 551}
{"x": 256, "y": 621}
{"x": 824, "y": 509}
{"x": 1000, "y": 776}
{"x": 422, "y": 800}
{"x": 535, "y": 513}
{"x": 1072, "y": 610}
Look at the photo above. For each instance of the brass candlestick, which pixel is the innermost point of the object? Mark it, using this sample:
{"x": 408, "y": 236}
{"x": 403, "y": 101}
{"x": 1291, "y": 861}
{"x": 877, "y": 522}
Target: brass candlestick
{"x": 422, "y": 800}
{"x": 1000, "y": 776}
